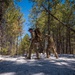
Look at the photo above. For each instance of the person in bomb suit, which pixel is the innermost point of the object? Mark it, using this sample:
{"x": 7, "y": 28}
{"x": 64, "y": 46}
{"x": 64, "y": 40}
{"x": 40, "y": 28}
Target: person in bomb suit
{"x": 33, "y": 44}
{"x": 50, "y": 46}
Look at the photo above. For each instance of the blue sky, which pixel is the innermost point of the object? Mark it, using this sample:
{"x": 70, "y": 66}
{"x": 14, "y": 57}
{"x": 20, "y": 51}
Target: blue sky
{"x": 25, "y": 6}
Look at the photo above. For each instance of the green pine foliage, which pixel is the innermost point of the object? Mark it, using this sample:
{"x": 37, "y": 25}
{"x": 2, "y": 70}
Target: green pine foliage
{"x": 11, "y": 26}
{"x": 24, "y": 45}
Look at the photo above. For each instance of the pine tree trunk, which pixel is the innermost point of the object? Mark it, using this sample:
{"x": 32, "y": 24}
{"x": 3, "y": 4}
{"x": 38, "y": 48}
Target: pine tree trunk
{"x": 69, "y": 40}
{"x": 63, "y": 40}
{"x": 48, "y": 18}
{"x": 48, "y": 21}
{"x": 66, "y": 40}
{"x": 57, "y": 40}
{"x": 1, "y": 25}
{"x": 17, "y": 46}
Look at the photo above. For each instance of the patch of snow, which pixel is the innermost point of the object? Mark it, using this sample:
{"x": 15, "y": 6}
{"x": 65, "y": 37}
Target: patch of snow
{"x": 19, "y": 65}
{"x": 39, "y": 74}
{"x": 11, "y": 73}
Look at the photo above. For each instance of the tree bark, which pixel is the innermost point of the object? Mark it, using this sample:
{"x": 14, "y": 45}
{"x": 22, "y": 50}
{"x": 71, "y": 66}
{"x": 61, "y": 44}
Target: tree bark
{"x": 1, "y": 14}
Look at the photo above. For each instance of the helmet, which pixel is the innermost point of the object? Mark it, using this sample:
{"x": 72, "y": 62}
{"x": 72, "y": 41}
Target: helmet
{"x": 30, "y": 29}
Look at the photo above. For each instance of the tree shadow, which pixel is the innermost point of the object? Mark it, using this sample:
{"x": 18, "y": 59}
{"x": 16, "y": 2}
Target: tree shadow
{"x": 37, "y": 67}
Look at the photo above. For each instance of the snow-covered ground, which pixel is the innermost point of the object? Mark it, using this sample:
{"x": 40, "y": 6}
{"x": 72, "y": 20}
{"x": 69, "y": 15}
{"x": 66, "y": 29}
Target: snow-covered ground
{"x": 19, "y": 65}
